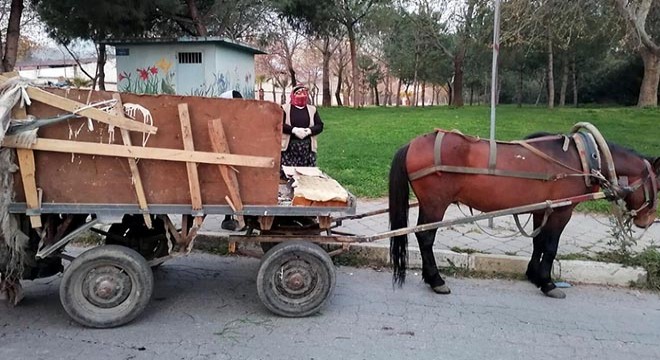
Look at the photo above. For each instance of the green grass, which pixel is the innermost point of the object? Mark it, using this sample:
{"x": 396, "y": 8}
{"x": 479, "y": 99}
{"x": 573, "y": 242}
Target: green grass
{"x": 357, "y": 145}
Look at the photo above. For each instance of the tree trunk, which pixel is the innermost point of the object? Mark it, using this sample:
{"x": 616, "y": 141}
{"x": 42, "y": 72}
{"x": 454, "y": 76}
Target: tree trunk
{"x": 398, "y": 94}
{"x": 340, "y": 78}
{"x": 459, "y": 59}
{"x": 648, "y": 93}
{"x": 423, "y": 93}
{"x": 2, "y": 49}
{"x": 13, "y": 35}
{"x": 327, "y": 99}
{"x": 551, "y": 75}
{"x": 292, "y": 72}
{"x": 520, "y": 86}
{"x": 450, "y": 93}
{"x": 100, "y": 66}
{"x": 200, "y": 28}
{"x": 574, "y": 81}
{"x": 354, "y": 65}
{"x": 564, "y": 81}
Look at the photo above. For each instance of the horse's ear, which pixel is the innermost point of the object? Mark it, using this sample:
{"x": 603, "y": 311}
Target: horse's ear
{"x": 656, "y": 165}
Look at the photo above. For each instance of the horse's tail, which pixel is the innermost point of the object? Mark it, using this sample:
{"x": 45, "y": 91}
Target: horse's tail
{"x": 398, "y": 209}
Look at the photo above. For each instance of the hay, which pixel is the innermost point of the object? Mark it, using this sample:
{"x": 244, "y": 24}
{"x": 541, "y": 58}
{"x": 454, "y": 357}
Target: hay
{"x": 13, "y": 243}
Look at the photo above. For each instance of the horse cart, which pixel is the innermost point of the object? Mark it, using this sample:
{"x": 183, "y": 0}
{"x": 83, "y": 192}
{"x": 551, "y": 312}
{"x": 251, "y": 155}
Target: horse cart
{"x": 136, "y": 162}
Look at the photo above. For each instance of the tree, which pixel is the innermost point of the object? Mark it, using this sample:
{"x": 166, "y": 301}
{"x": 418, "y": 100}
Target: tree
{"x": 636, "y": 15}
{"x": 283, "y": 42}
{"x": 67, "y": 20}
{"x": 9, "y": 53}
{"x": 331, "y": 13}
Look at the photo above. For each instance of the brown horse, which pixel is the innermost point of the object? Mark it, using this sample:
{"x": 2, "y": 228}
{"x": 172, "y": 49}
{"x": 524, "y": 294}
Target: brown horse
{"x": 460, "y": 169}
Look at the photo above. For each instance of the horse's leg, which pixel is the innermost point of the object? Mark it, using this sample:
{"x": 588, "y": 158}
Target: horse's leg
{"x": 549, "y": 241}
{"x": 425, "y": 239}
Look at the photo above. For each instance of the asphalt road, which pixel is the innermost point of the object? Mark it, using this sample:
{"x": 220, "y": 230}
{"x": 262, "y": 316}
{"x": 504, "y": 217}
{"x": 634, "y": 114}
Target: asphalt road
{"x": 206, "y": 307}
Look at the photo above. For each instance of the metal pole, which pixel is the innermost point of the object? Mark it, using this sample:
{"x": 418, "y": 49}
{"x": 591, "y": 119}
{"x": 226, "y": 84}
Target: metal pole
{"x": 493, "y": 82}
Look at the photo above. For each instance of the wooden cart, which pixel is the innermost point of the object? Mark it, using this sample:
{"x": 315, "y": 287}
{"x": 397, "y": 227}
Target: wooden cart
{"x": 178, "y": 155}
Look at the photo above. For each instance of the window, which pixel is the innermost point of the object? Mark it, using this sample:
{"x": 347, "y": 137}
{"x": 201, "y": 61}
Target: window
{"x": 190, "y": 58}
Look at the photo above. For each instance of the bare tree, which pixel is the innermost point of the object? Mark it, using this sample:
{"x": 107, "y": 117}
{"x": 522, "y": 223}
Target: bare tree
{"x": 309, "y": 62}
{"x": 284, "y": 42}
{"x": 327, "y": 45}
{"x": 341, "y": 61}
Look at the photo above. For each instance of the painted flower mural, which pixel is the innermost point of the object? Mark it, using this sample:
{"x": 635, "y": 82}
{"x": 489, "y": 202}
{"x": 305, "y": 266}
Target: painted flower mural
{"x": 153, "y": 79}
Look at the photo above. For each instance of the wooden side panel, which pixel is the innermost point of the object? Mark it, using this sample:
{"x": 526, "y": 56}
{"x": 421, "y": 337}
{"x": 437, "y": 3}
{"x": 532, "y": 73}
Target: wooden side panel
{"x": 252, "y": 128}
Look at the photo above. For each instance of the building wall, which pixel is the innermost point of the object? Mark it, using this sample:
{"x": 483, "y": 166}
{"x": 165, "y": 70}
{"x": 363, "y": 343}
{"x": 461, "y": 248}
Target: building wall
{"x": 155, "y": 69}
{"x": 235, "y": 71}
{"x": 55, "y": 75}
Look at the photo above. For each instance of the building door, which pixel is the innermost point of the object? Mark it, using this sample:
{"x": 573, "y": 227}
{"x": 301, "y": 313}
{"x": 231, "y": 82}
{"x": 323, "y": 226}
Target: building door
{"x": 189, "y": 73}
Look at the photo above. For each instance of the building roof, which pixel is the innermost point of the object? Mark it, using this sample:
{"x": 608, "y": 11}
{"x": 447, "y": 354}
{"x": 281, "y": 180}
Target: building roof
{"x": 55, "y": 63}
{"x": 183, "y": 40}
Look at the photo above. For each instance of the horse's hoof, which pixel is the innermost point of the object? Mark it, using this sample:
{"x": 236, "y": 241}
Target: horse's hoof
{"x": 442, "y": 289}
{"x": 555, "y": 294}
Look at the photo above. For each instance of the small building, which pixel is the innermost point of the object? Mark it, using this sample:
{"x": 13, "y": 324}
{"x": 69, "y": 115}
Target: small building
{"x": 200, "y": 66}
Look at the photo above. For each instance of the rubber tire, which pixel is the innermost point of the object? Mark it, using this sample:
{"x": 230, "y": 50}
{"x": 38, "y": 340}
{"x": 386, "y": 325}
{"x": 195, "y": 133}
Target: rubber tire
{"x": 88, "y": 314}
{"x": 322, "y": 271}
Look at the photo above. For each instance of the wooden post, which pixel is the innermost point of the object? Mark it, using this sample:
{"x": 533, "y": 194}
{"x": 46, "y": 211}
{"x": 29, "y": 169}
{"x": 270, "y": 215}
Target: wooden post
{"x": 220, "y": 145}
{"x": 27, "y": 168}
{"x": 132, "y": 164}
{"x": 193, "y": 176}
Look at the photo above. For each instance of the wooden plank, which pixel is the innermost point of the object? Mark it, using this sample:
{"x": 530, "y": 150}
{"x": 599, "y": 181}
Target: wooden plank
{"x": 89, "y": 148}
{"x": 193, "y": 176}
{"x": 27, "y": 168}
{"x": 73, "y": 106}
{"x": 220, "y": 145}
{"x": 28, "y": 173}
{"x": 132, "y": 164}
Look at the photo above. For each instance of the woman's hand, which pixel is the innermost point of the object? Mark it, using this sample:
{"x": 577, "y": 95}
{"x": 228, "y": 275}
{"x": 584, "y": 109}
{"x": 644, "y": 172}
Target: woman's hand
{"x": 300, "y": 133}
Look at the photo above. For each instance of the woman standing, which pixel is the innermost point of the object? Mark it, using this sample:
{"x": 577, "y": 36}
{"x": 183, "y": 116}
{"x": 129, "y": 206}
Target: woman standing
{"x": 302, "y": 124}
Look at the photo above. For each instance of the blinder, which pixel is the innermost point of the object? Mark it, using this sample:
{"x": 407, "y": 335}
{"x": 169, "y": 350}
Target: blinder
{"x": 649, "y": 183}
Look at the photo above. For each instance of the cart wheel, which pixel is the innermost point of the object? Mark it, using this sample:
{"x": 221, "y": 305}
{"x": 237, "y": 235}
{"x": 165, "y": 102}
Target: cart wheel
{"x": 295, "y": 279}
{"x": 106, "y": 286}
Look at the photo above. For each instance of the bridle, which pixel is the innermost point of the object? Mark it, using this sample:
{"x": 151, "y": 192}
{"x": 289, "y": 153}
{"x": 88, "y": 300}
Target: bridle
{"x": 649, "y": 185}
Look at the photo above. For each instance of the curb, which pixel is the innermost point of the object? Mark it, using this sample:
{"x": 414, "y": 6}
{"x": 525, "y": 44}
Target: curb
{"x": 576, "y": 271}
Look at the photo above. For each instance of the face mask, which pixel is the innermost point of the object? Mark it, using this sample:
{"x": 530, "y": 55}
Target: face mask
{"x": 299, "y": 98}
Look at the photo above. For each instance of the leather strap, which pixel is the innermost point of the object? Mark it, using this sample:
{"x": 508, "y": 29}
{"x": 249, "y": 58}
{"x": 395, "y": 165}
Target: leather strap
{"x": 545, "y": 156}
{"x": 482, "y": 171}
{"x": 492, "y": 156}
{"x": 437, "y": 148}
{"x": 536, "y": 231}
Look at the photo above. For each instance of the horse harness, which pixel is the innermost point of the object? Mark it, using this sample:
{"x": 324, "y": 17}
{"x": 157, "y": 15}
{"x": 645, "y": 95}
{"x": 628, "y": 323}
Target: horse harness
{"x": 592, "y": 150}
{"x": 587, "y": 147}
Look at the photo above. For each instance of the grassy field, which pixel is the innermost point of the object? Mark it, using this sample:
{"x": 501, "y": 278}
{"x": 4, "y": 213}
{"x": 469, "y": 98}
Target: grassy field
{"x": 357, "y": 146}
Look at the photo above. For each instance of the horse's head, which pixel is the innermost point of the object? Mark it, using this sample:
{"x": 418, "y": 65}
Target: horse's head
{"x": 641, "y": 195}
